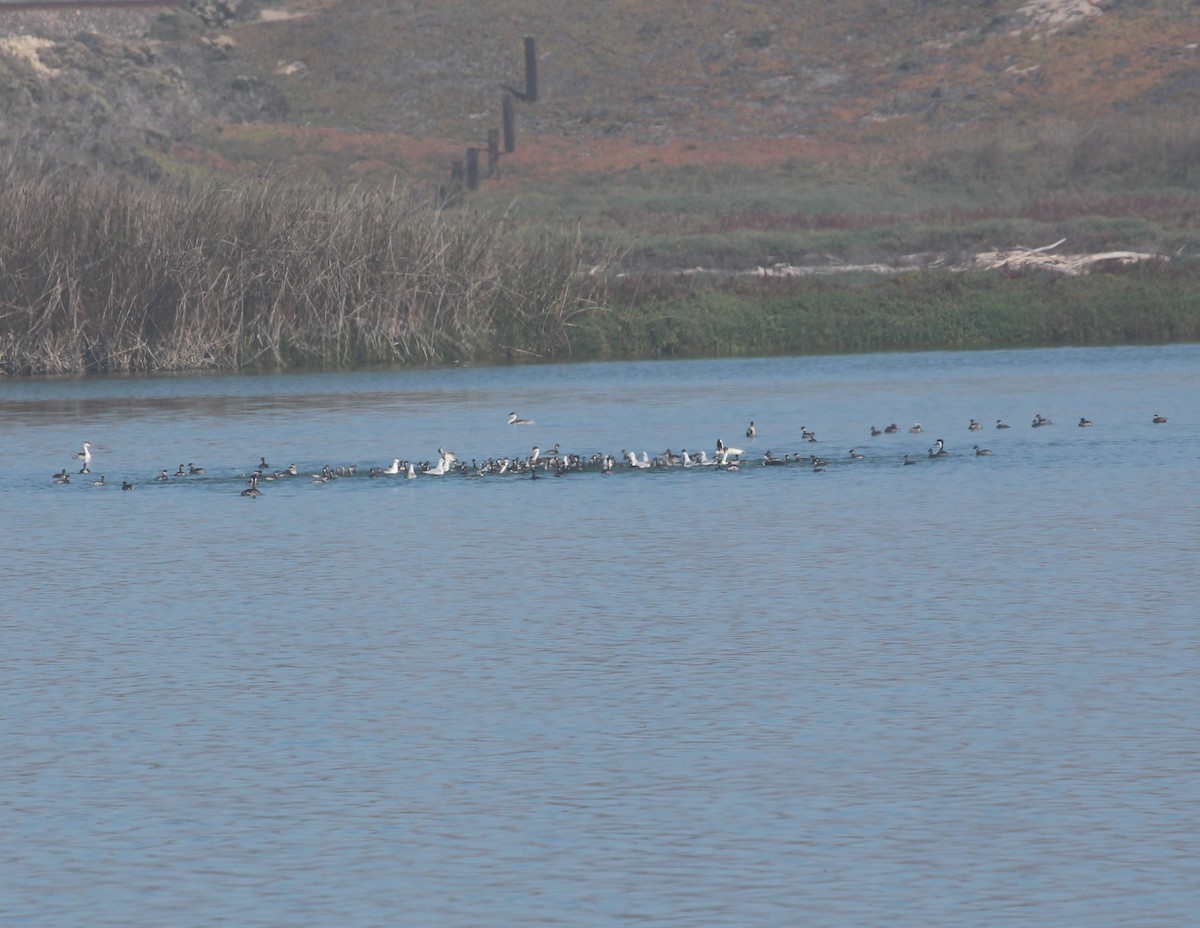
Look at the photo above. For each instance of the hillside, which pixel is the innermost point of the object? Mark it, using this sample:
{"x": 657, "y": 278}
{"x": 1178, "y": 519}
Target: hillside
{"x": 673, "y": 124}
{"x": 640, "y": 83}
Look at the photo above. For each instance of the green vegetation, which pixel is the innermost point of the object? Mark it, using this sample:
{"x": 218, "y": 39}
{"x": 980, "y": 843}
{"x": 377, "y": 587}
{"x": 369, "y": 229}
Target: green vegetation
{"x": 906, "y": 312}
{"x": 670, "y": 157}
{"x": 115, "y": 276}
{"x": 1126, "y": 184}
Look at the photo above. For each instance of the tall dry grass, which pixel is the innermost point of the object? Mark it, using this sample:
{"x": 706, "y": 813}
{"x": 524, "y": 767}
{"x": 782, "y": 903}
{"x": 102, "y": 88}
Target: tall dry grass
{"x": 116, "y": 276}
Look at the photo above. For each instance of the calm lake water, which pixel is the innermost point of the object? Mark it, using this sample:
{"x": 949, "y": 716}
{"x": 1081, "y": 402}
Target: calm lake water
{"x": 961, "y": 693}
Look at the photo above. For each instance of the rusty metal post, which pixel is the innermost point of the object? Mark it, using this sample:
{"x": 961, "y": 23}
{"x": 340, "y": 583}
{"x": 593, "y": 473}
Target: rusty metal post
{"x": 472, "y": 168}
{"x": 531, "y": 88}
{"x": 493, "y": 142}
{"x": 510, "y": 125}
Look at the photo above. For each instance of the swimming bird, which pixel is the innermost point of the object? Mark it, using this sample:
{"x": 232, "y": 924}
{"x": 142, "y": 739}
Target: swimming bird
{"x": 62, "y": 477}
{"x": 514, "y": 419}
{"x": 632, "y": 458}
{"x": 162, "y": 476}
{"x": 181, "y": 472}
{"x": 875, "y": 431}
{"x": 908, "y": 460}
{"x": 941, "y": 450}
{"x": 253, "y": 489}
{"x": 855, "y": 455}
{"x": 1039, "y": 420}
{"x": 892, "y": 429}
{"x": 981, "y": 452}
{"x": 1159, "y": 419}
{"x": 806, "y": 434}
{"x": 1001, "y": 424}
{"x": 126, "y": 485}
{"x": 194, "y": 470}
{"x": 751, "y": 431}
{"x": 916, "y": 427}
{"x": 410, "y": 472}
{"x": 85, "y": 469}
{"x": 445, "y": 462}
{"x": 974, "y": 426}
{"x": 725, "y": 453}
{"x": 290, "y": 470}
{"x": 1084, "y": 423}
{"x": 262, "y": 463}
{"x": 393, "y": 468}
{"x": 97, "y": 483}
{"x": 85, "y": 455}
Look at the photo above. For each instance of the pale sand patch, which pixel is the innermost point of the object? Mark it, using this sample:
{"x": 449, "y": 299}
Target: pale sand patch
{"x": 274, "y": 16}
{"x": 27, "y": 47}
{"x": 1056, "y": 13}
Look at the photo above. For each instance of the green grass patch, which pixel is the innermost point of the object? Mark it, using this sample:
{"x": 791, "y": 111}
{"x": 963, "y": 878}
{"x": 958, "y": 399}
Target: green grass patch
{"x": 908, "y": 312}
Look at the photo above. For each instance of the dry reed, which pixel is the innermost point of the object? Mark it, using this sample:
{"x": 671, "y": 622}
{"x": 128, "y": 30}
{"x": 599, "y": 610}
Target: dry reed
{"x": 117, "y": 276}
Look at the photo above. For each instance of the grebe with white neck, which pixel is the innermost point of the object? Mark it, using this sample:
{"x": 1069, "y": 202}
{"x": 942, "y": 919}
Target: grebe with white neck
{"x": 728, "y": 455}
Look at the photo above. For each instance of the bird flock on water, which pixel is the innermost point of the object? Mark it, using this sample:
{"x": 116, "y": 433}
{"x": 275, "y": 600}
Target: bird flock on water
{"x": 554, "y": 461}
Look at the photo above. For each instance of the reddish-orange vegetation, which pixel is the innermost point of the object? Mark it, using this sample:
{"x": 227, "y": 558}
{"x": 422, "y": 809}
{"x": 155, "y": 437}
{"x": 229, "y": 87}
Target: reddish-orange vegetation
{"x": 535, "y": 159}
{"x": 636, "y": 86}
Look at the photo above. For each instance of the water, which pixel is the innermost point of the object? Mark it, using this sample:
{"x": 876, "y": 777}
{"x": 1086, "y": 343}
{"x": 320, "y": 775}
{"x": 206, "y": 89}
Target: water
{"x": 958, "y": 693}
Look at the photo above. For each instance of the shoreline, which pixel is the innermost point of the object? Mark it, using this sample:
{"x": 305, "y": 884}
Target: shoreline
{"x": 802, "y": 316}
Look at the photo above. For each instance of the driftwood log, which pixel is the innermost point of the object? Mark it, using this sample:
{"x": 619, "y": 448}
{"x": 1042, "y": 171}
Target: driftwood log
{"x": 1020, "y": 258}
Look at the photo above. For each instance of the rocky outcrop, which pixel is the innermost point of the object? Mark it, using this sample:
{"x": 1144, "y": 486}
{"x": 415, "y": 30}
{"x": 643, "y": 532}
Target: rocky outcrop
{"x": 218, "y": 14}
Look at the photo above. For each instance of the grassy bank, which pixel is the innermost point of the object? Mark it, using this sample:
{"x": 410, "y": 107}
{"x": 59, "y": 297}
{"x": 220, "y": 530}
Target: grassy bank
{"x": 908, "y": 312}
{"x": 104, "y": 276}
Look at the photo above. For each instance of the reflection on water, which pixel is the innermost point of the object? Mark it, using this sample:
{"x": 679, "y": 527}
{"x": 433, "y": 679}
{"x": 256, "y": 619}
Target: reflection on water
{"x": 954, "y": 693}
